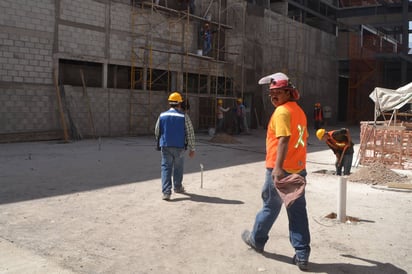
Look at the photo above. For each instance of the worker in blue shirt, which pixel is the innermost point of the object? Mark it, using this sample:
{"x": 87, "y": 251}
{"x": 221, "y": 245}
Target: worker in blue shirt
{"x": 174, "y": 131}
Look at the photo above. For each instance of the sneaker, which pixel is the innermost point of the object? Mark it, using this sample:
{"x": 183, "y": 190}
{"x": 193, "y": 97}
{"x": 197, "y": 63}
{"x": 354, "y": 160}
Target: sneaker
{"x": 246, "y": 238}
{"x": 166, "y": 197}
{"x": 303, "y": 265}
{"x": 180, "y": 190}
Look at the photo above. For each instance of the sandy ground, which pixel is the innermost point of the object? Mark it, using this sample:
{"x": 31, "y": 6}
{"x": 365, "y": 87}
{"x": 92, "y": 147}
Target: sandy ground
{"x": 94, "y": 206}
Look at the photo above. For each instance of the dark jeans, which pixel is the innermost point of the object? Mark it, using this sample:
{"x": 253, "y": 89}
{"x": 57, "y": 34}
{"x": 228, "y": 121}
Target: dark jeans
{"x": 299, "y": 235}
{"x": 346, "y": 164}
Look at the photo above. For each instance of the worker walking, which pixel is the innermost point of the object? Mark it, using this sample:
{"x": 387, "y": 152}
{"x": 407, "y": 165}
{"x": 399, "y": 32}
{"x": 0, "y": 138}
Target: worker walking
{"x": 286, "y": 144}
{"x": 341, "y": 144}
{"x": 175, "y": 133}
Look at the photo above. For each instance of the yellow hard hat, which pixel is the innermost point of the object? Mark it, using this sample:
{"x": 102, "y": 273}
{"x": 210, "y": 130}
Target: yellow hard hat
{"x": 239, "y": 100}
{"x": 319, "y": 133}
{"x": 220, "y": 101}
{"x": 175, "y": 97}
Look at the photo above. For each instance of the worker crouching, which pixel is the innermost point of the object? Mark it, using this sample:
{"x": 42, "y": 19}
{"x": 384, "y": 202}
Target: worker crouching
{"x": 342, "y": 146}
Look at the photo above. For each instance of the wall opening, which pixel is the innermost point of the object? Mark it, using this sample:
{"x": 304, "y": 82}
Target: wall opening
{"x": 70, "y": 73}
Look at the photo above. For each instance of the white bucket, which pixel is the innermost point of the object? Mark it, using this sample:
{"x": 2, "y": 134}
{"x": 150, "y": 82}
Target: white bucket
{"x": 199, "y": 52}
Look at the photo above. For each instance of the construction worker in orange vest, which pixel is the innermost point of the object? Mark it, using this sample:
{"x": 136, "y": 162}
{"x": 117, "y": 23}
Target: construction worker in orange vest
{"x": 318, "y": 116}
{"x": 341, "y": 144}
{"x": 286, "y": 144}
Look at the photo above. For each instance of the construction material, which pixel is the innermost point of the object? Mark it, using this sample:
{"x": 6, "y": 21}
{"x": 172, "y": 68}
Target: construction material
{"x": 91, "y": 120}
{"x": 376, "y": 174}
{"x": 400, "y": 185}
{"x": 386, "y": 144}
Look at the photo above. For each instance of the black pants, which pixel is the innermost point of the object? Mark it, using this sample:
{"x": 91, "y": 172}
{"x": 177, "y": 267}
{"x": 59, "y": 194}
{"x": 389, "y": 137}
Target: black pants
{"x": 346, "y": 164}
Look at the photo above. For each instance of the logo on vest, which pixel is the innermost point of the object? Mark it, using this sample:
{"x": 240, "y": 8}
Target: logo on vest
{"x": 300, "y": 139}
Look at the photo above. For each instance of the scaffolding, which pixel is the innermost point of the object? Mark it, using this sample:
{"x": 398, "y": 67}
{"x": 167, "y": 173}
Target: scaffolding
{"x": 165, "y": 38}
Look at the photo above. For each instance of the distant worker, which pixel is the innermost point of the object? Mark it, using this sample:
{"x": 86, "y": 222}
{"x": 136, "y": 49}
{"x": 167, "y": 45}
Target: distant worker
{"x": 341, "y": 144}
{"x": 241, "y": 119}
{"x": 318, "y": 116}
{"x": 207, "y": 39}
{"x": 220, "y": 110}
{"x": 174, "y": 130}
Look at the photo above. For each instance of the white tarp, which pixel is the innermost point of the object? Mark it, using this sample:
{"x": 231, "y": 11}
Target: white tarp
{"x": 391, "y": 99}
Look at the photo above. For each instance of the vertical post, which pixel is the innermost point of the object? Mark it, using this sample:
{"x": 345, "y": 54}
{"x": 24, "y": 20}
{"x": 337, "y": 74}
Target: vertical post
{"x": 201, "y": 175}
{"x": 341, "y": 215}
{"x": 104, "y": 75}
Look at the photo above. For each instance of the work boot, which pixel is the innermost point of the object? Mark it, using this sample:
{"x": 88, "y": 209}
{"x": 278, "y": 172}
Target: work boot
{"x": 303, "y": 265}
{"x": 246, "y": 237}
{"x": 181, "y": 189}
{"x": 166, "y": 197}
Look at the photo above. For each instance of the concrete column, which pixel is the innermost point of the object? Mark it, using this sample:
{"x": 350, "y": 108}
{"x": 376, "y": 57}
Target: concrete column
{"x": 104, "y": 76}
{"x": 405, "y": 40}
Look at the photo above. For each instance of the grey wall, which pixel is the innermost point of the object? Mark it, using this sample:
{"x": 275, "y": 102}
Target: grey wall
{"x": 34, "y": 35}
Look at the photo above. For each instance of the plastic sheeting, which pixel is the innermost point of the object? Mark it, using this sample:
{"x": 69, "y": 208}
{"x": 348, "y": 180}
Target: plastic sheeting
{"x": 391, "y": 99}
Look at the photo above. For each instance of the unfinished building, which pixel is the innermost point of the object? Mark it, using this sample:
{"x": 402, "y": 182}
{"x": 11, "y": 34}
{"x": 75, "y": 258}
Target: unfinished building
{"x": 77, "y": 69}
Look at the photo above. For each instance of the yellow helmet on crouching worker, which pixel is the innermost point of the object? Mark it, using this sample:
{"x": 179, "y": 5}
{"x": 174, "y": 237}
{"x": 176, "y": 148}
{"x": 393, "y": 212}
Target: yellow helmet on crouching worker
{"x": 220, "y": 102}
{"x": 175, "y": 98}
{"x": 319, "y": 133}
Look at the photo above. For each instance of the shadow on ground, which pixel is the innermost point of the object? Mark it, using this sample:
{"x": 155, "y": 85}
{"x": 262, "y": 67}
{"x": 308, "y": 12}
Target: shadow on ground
{"x": 44, "y": 169}
{"x": 375, "y": 267}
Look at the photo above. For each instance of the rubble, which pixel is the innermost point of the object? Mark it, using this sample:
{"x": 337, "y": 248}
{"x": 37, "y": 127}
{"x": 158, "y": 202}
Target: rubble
{"x": 377, "y": 174}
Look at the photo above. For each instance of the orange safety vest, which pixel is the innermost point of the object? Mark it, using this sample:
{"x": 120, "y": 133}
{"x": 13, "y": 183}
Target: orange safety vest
{"x": 318, "y": 113}
{"x": 333, "y": 144}
{"x": 295, "y": 160}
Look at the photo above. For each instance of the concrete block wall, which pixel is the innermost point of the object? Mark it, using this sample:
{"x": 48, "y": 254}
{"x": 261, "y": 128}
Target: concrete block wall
{"x": 28, "y": 107}
{"x": 32, "y": 41}
{"x": 102, "y": 112}
{"x": 83, "y": 11}
{"x": 106, "y": 112}
{"x": 307, "y": 55}
{"x": 27, "y": 98}
{"x": 26, "y": 41}
{"x": 81, "y": 42}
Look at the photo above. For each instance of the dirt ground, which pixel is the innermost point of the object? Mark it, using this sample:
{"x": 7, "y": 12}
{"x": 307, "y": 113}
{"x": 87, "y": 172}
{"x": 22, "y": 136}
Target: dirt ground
{"x": 94, "y": 206}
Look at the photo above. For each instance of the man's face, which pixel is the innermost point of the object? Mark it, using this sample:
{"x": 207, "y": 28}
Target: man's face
{"x": 279, "y": 96}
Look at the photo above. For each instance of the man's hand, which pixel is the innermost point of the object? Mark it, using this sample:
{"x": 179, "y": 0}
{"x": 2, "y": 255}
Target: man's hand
{"x": 191, "y": 153}
{"x": 278, "y": 174}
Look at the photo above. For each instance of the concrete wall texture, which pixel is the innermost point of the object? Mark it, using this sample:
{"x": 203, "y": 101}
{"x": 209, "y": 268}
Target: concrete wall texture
{"x": 35, "y": 35}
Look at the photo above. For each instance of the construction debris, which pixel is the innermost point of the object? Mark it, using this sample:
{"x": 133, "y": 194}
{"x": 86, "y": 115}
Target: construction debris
{"x": 377, "y": 174}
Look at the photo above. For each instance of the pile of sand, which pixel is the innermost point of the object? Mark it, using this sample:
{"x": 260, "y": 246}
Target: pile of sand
{"x": 376, "y": 174}
{"x": 223, "y": 138}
